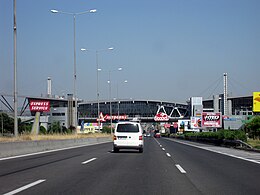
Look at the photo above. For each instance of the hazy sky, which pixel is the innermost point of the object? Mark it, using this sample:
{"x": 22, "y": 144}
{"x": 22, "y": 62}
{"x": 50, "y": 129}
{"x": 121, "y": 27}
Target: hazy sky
{"x": 168, "y": 49}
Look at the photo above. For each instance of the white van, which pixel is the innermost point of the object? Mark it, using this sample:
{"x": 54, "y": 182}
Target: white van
{"x": 128, "y": 135}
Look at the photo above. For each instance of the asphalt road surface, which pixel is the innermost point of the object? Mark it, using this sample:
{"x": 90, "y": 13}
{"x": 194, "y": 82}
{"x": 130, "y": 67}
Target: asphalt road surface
{"x": 165, "y": 167}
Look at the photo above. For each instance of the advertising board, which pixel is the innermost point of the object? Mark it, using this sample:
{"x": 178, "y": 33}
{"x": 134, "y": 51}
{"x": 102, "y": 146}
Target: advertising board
{"x": 39, "y": 105}
{"x": 161, "y": 117}
{"x": 183, "y": 125}
{"x": 256, "y": 101}
{"x": 195, "y": 122}
{"x": 211, "y": 119}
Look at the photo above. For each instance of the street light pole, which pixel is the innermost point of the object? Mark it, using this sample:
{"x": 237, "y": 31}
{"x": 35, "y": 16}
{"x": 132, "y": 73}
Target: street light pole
{"x": 74, "y": 65}
{"x": 110, "y": 106}
{"x": 98, "y": 69}
{"x": 125, "y": 81}
{"x": 15, "y": 74}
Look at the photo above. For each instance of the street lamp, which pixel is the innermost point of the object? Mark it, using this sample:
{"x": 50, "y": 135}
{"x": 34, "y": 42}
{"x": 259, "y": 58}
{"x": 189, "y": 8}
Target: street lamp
{"x": 15, "y": 74}
{"x": 98, "y": 70}
{"x": 54, "y": 11}
{"x": 125, "y": 81}
{"x": 110, "y": 105}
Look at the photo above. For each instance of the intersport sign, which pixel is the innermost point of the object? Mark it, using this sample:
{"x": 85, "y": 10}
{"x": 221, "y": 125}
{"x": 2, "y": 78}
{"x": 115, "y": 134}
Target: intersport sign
{"x": 211, "y": 119}
{"x": 161, "y": 117}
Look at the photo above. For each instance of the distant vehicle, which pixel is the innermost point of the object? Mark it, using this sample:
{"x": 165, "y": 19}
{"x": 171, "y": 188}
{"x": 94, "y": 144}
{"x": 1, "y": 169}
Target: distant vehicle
{"x": 128, "y": 135}
{"x": 157, "y": 135}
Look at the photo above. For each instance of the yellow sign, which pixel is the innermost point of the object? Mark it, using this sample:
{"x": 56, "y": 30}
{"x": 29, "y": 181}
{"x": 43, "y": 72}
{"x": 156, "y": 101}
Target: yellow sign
{"x": 256, "y": 101}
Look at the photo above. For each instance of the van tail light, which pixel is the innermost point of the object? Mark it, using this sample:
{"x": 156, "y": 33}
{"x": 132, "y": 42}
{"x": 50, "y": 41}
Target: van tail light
{"x": 140, "y": 137}
{"x": 114, "y": 137}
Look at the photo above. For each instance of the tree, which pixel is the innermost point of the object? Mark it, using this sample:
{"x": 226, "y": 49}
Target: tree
{"x": 253, "y": 128}
{"x": 55, "y": 127}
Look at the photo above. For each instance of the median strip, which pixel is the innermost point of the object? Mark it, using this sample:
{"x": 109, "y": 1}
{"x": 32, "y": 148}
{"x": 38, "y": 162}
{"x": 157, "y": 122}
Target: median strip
{"x": 25, "y": 187}
{"x": 88, "y": 161}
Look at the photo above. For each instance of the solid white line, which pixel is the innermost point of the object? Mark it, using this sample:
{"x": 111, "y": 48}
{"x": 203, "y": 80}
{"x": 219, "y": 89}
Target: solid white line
{"x": 55, "y": 150}
{"x": 168, "y": 154}
{"x": 88, "y": 161}
{"x": 211, "y": 150}
{"x": 180, "y": 168}
{"x": 25, "y": 187}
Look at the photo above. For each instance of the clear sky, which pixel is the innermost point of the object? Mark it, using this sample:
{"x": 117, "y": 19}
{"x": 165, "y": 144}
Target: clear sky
{"x": 168, "y": 49}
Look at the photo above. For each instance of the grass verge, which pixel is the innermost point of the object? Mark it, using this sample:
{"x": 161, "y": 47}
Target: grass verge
{"x": 255, "y": 143}
{"x": 28, "y": 137}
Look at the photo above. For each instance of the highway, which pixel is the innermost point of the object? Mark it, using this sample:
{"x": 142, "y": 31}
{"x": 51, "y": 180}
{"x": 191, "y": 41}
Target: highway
{"x": 166, "y": 166}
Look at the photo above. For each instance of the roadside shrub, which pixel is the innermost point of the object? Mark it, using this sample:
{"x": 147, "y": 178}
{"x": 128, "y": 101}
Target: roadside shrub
{"x": 219, "y": 135}
{"x": 106, "y": 129}
{"x": 43, "y": 131}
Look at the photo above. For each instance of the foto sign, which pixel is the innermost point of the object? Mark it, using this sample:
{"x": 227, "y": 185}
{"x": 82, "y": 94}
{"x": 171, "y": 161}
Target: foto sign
{"x": 39, "y": 105}
{"x": 211, "y": 119}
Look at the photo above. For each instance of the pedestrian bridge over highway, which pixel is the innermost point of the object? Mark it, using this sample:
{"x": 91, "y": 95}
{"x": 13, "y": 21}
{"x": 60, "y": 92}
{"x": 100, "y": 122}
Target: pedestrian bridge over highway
{"x": 143, "y": 110}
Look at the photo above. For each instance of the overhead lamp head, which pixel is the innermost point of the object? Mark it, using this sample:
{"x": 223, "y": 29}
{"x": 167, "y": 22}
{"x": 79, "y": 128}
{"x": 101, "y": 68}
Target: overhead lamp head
{"x": 54, "y": 11}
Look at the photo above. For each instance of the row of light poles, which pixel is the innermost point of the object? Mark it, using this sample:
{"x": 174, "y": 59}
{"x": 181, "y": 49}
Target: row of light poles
{"x": 98, "y": 70}
{"x": 54, "y": 11}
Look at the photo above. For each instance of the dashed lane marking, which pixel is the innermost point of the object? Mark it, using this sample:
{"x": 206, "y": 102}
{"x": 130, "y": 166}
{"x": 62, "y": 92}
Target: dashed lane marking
{"x": 180, "y": 168}
{"x": 25, "y": 187}
{"x": 88, "y": 161}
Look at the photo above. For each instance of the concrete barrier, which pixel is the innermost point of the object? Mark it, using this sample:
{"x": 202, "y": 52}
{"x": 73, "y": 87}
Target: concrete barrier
{"x": 9, "y": 149}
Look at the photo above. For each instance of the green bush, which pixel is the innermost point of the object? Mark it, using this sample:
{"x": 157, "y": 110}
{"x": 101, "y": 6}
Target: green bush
{"x": 220, "y": 135}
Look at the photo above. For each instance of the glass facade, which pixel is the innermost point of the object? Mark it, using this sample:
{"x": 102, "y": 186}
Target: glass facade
{"x": 131, "y": 108}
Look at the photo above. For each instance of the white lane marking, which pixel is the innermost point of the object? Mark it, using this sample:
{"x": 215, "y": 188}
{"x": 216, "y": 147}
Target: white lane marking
{"x": 25, "y": 187}
{"x": 160, "y": 145}
{"x": 211, "y": 150}
{"x": 163, "y": 149}
{"x": 168, "y": 154}
{"x": 55, "y": 150}
{"x": 88, "y": 161}
{"x": 157, "y": 141}
{"x": 180, "y": 168}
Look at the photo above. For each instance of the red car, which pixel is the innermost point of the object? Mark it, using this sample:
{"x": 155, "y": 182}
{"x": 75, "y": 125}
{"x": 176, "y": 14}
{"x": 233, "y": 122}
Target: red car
{"x": 157, "y": 135}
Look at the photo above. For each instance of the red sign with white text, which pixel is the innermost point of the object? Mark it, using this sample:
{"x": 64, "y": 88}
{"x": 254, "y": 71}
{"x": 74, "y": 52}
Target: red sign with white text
{"x": 161, "y": 117}
{"x": 39, "y": 105}
{"x": 103, "y": 118}
{"x": 211, "y": 119}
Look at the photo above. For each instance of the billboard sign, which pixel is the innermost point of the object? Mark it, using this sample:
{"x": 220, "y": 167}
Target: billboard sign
{"x": 256, "y": 101}
{"x": 39, "y": 105}
{"x": 183, "y": 125}
{"x": 211, "y": 119}
{"x": 195, "y": 122}
{"x": 161, "y": 117}
{"x": 103, "y": 118}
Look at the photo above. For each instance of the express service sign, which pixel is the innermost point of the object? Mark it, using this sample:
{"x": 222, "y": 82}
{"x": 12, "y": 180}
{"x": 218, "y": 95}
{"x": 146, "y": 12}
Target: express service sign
{"x": 211, "y": 119}
{"x": 39, "y": 105}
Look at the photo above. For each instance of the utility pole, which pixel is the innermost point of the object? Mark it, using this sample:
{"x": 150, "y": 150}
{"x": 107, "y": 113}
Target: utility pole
{"x": 15, "y": 75}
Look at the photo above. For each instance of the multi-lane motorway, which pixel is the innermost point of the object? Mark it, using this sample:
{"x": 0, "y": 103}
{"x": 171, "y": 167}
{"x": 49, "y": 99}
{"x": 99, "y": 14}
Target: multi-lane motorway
{"x": 167, "y": 166}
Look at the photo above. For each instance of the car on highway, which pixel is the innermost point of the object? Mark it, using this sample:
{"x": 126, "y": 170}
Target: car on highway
{"x": 157, "y": 135}
{"x": 128, "y": 135}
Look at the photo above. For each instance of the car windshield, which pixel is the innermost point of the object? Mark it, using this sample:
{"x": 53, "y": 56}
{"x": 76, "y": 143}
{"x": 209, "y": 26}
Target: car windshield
{"x": 129, "y": 128}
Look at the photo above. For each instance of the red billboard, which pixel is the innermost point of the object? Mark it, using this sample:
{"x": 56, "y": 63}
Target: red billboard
{"x": 39, "y": 105}
{"x": 211, "y": 119}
